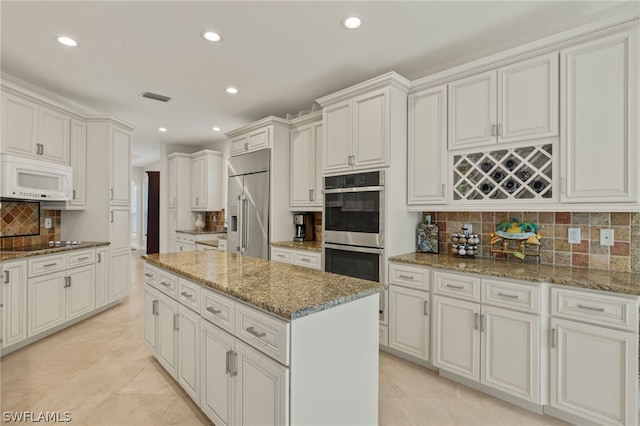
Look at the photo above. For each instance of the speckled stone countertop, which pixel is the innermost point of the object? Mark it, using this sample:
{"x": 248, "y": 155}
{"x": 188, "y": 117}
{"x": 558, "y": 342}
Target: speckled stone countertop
{"x": 617, "y": 282}
{"x": 212, "y": 243}
{"x": 302, "y": 245}
{"x": 285, "y": 290}
{"x": 12, "y": 255}
{"x": 194, "y": 232}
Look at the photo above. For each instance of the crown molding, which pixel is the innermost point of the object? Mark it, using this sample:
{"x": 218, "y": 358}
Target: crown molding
{"x": 312, "y": 117}
{"x": 390, "y": 79}
{"x": 267, "y": 121}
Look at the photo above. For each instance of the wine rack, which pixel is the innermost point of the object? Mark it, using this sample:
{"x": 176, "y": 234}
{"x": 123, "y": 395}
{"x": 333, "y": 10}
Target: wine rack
{"x": 506, "y": 174}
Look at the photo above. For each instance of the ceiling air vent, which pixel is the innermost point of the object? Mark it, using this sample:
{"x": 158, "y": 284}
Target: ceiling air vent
{"x": 156, "y": 97}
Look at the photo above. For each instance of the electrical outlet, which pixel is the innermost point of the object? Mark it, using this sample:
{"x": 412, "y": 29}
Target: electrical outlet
{"x": 606, "y": 237}
{"x": 47, "y": 222}
{"x": 469, "y": 227}
{"x": 574, "y": 236}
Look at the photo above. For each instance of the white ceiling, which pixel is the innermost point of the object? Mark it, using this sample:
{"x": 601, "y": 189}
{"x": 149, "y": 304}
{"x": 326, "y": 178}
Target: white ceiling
{"x": 280, "y": 55}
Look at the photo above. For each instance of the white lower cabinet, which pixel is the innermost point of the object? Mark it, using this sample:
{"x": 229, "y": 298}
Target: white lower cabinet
{"x": 305, "y": 258}
{"x": 216, "y": 391}
{"x": 167, "y": 344}
{"x": 120, "y": 276}
{"x": 80, "y": 291}
{"x": 150, "y": 312}
{"x": 189, "y": 351}
{"x": 46, "y": 304}
{"x": 102, "y": 276}
{"x": 409, "y": 321}
{"x": 14, "y": 302}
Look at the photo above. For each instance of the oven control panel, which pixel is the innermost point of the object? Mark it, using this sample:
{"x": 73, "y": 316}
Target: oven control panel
{"x": 354, "y": 180}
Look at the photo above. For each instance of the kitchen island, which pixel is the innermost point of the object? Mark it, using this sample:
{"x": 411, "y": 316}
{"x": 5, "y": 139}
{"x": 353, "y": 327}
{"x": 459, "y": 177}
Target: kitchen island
{"x": 259, "y": 342}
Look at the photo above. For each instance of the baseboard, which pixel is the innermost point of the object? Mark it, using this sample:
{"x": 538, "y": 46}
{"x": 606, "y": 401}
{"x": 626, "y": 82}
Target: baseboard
{"x": 570, "y": 418}
{"x": 408, "y": 357}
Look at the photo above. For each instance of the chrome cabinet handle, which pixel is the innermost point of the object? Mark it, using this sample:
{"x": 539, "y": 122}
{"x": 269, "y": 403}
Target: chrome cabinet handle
{"x": 246, "y": 146}
{"x": 74, "y": 194}
{"x": 406, "y": 277}
{"x": 83, "y": 258}
{"x": 154, "y": 307}
{"x": 305, "y": 259}
{"x": 475, "y": 321}
{"x": 258, "y": 334}
{"x": 591, "y": 308}
{"x": 426, "y": 307}
{"x": 510, "y": 296}
{"x": 553, "y": 338}
{"x": 176, "y": 322}
{"x": 280, "y": 255}
{"x": 351, "y": 160}
{"x": 311, "y": 195}
{"x": 457, "y": 287}
{"x": 227, "y": 368}
{"x": 185, "y": 294}
{"x": 444, "y": 189}
{"x": 493, "y": 130}
{"x": 67, "y": 282}
{"x": 99, "y": 258}
{"x": 41, "y": 149}
{"x": 6, "y": 277}
{"x": 234, "y": 364}
{"x": 148, "y": 275}
{"x": 111, "y": 219}
{"x": 166, "y": 284}
{"x": 197, "y": 201}
{"x": 213, "y": 310}
{"x": 111, "y": 189}
{"x": 482, "y": 322}
{"x": 46, "y": 265}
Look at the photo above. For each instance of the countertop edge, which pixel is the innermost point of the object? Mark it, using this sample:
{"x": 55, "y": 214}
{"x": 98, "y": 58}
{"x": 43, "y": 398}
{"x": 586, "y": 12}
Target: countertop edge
{"x": 16, "y": 255}
{"x": 315, "y": 246}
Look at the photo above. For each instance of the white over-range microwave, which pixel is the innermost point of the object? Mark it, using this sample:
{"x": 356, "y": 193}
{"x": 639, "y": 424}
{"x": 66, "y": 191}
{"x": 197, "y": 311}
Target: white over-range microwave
{"x": 27, "y": 179}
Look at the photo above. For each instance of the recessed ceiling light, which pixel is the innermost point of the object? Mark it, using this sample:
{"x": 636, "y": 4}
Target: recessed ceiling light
{"x": 67, "y": 41}
{"x": 232, "y": 90}
{"x": 211, "y": 36}
{"x": 352, "y": 22}
{"x": 216, "y": 129}
{"x": 162, "y": 129}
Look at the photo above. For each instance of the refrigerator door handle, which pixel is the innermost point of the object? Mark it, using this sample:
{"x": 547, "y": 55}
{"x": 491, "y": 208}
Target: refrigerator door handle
{"x": 240, "y": 223}
{"x": 245, "y": 223}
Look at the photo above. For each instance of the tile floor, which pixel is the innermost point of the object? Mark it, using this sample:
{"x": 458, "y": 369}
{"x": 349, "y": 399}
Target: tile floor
{"x": 101, "y": 373}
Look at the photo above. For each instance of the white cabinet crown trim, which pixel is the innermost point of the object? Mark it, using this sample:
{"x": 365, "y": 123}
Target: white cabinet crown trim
{"x": 392, "y": 79}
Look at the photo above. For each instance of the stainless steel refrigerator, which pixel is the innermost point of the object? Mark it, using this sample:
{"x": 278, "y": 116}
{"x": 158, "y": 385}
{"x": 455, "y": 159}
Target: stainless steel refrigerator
{"x": 248, "y": 204}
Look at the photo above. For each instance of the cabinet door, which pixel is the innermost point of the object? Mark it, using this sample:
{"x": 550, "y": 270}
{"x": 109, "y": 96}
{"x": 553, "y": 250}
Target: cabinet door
{"x": 371, "y": 133}
{"x": 168, "y": 334}
{"x": 427, "y": 149}
{"x": 302, "y": 179}
{"x": 102, "y": 276}
{"x": 409, "y": 322}
{"x": 172, "y": 223}
{"x": 472, "y": 111}
{"x": 216, "y": 393}
{"x": 337, "y": 141}
{"x": 172, "y": 173}
{"x": 262, "y": 390}
{"x": 599, "y": 104}
{"x": 78, "y": 159}
{"x": 528, "y": 99}
{"x": 456, "y": 332}
{"x": 151, "y": 303}
{"x": 120, "y": 275}
{"x": 81, "y": 285}
{"x": 19, "y": 125}
{"x": 259, "y": 139}
{"x": 316, "y": 160}
{"x": 189, "y": 352}
{"x": 54, "y": 133}
{"x": 198, "y": 173}
{"x": 120, "y": 170}
{"x": 14, "y": 301}
{"x": 239, "y": 145}
{"x": 511, "y": 352}
{"x": 119, "y": 228}
{"x": 594, "y": 372}
{"x": 46, "y": 306}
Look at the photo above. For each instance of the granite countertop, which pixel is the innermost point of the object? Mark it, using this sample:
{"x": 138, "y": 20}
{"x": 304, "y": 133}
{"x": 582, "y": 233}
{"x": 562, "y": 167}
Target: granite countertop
{"x": 285, "y": 290}
{"x": 36, "y": 251}
{"x": 195, "y": 232}
{"x": 613, "y": 281}
{"x": 303, "y": 245}
{"x": 212, "y": 243}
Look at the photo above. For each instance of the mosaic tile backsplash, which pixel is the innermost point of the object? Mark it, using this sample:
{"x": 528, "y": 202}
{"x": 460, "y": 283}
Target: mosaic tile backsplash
{"x": 24, "y": 219}
{"x": 214, "y": 221}
{"x": 624, "y": 255}
{"x": 19, "y": 218}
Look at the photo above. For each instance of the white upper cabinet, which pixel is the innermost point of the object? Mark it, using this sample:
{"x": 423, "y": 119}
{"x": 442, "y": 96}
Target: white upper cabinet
{"x": 120, "y": 166}
{"x": 31, "y": 129}
{"x": 514, "y": 103}
{"x": 427, "y": 133}
{"x": 252, "y": 141}
{"x": 206, "y": 181}
{"x": 172, "y": 172}
{"x": 79, "y": 164}
{"x": 599, "y": 104}
{"x": 361, "y": 123}
{"x": 306, "y": 164}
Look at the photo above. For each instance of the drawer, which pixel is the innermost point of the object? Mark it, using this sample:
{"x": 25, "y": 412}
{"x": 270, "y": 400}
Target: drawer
{"x": 218, "y": 309}
{"x": 204, "y": 247}
{"x": 151, "y": 275}
{"x": 599, "y": 309}
{"x": 81, "y": 258}
{"x": 185, "y": 238}
{"x": 222, "y": 245}
{"x": 409, "y": 276}
{"x": 189, "y": 294}
{"x": 307, "y": 259}
{"x": 461, "y": 286}
{"x": 47, "y": 264}
{"x": 523, "y": 297}
{"x": 168, "y": 284}
{"x": 281, "y": 255}
{"x": 265, "y": 333}
{"x": 383, "y": 335}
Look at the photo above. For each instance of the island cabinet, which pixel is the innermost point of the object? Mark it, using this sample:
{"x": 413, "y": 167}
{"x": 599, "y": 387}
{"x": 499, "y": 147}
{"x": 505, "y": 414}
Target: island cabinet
{"x": 362, "y": 123}
{"x": 244, "y": 365}
{"x": 489, "y": 331}
{"x": 513, "y": 103}
{"x": 594, "y": 356}
{"x": 599, "y": 102}
{"x": 305, "y": 258}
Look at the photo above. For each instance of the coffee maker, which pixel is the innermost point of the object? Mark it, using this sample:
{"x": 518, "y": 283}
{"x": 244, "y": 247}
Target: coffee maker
{"x": 304, "y": 227}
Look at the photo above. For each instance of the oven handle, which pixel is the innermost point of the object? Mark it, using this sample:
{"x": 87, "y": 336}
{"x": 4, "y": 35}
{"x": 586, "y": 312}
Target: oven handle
{"x": 354, "y": 248}
{"x": 356, "y": 189}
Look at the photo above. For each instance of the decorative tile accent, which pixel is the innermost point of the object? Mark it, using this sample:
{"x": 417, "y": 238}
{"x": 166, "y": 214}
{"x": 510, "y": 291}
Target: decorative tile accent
{"x": 19, "y": 218}
{"x": 23, "y": 222}
{"x": 214, "y": 221}
{"x": 624, "y": 255}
